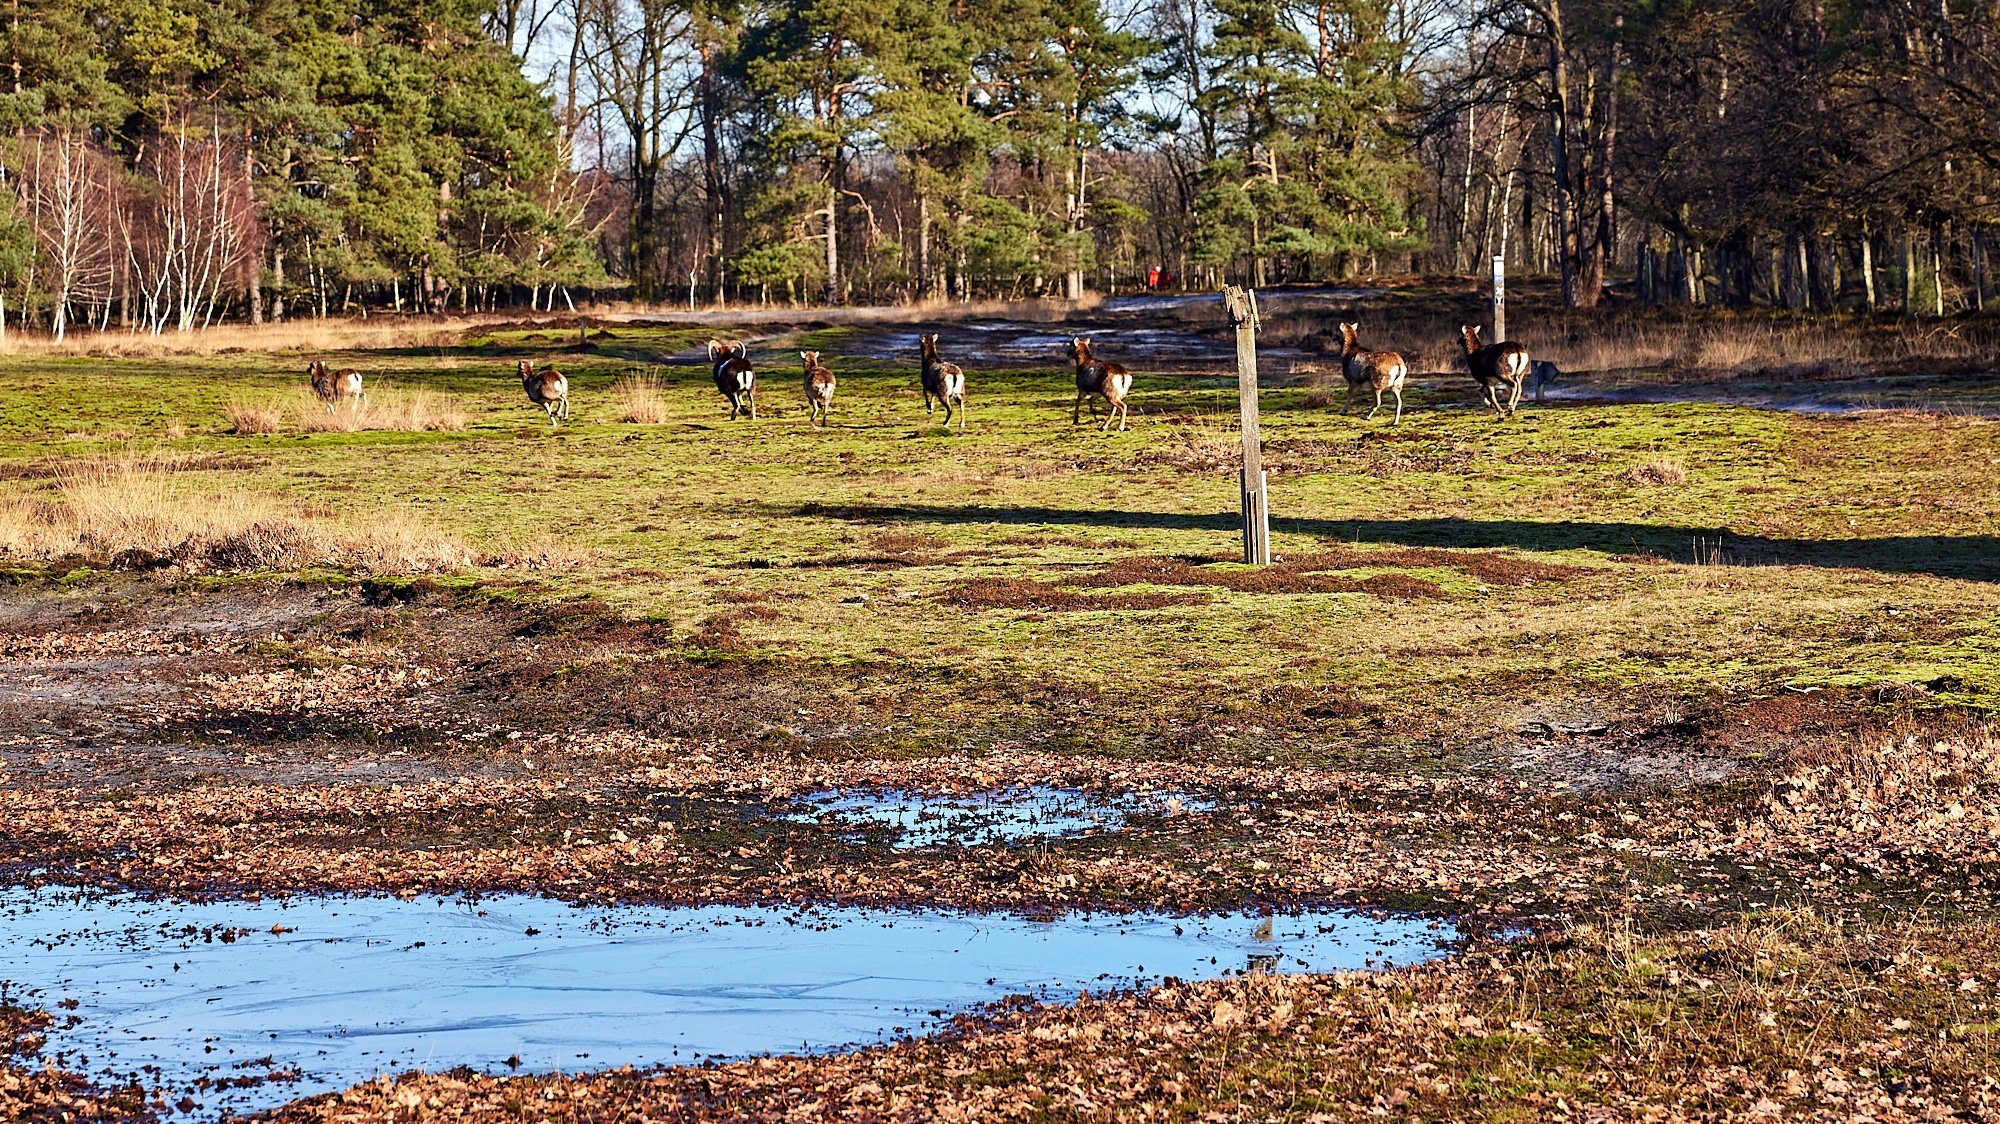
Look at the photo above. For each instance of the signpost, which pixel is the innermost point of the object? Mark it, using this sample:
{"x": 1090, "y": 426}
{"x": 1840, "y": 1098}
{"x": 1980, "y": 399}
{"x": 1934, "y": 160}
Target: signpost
{"x": 1256, "y": 510}
{"x": 1499, "y": 298}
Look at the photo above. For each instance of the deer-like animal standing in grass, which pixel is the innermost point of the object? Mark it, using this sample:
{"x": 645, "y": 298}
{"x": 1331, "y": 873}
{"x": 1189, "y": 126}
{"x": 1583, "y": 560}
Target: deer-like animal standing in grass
{"x": 1379, "y": 370}
{"x": 332, "y": 387}
{"x": 1495, "y": 365}
{"x": 734, "y": 376}
{"x": 1095, "y": 377}
{"x": 819, "y": 389}
{"x": 943, "y": 382}
{"x": 547, "y": 388}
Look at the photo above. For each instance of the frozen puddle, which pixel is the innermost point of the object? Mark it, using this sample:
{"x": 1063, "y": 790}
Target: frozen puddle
{"x": 334, "y": 991}
{"x": 996, "y": 815}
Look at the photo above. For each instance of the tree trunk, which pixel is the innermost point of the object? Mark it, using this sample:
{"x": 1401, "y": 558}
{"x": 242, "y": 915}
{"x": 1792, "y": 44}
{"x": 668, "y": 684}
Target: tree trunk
{"x": 832, "y": 295}
{"x": 644, "y": 240}
{"x": 1465, "y": 189}
{"x": 1978, "y": 270}
{"x": 1604, "y": 242}
{"x": 711, "y": 166}
{"x": 1077, "y": 175}
{"x": 1937, "y": 272}
{"x": 1909, "y": 272}
{"x": 1799, "y": 295}
{"x": 961, "y": 278}
{"x": 1565, "y": 217}
{"x": 1868, "y": 268}
{"x": 923, "y": 245}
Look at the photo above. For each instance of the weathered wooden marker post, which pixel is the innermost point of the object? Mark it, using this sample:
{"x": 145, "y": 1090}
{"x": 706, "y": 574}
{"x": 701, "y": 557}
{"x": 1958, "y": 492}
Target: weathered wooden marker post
{"x": 1499, "y": 298}
{"x": 1256, "y": 509}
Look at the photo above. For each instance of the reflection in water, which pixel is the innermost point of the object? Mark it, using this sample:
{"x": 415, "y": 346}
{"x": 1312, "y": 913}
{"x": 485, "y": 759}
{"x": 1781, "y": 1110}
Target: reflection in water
{"x": 994, "y": 815}
{"x": 333, "y": 991}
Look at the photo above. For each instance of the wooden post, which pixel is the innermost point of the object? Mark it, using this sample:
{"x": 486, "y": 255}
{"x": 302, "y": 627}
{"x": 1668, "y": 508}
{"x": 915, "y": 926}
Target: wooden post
{"x": 1255, "y": 488}
{"x": 1499, "y": 298}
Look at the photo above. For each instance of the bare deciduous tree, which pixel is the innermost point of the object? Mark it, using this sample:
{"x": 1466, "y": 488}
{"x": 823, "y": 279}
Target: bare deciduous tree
{"x": 192, "y": 230}
{"x": 71, "y": 191}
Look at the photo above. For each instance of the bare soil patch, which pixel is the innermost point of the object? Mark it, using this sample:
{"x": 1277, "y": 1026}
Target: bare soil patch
{"x": 1310, "y": 573}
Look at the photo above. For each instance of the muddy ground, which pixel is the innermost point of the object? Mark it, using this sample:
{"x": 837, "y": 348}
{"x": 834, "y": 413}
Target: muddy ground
{"x": 1703, "y": 770}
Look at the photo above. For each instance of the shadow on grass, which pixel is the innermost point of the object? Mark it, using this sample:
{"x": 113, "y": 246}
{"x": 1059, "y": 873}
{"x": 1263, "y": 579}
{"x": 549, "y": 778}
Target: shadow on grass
{"x": 1975, "y": 557}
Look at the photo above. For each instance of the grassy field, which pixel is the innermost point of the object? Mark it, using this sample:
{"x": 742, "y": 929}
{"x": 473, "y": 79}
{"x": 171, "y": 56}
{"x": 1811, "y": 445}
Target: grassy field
{"x": 1780, "y": 552}
{"x": 1572, "y": 665}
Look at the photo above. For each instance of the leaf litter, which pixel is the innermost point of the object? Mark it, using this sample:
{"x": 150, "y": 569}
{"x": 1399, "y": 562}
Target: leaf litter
{"x": 1626, "y": 898}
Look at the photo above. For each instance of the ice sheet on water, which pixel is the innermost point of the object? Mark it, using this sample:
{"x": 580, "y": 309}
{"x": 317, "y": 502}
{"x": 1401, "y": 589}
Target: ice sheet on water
{"x": 344, "y": 989}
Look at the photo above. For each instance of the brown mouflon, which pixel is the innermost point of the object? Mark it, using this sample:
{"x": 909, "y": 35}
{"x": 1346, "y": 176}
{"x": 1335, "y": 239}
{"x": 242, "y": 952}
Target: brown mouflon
{"x": 943, "y": 381}
{"x": 332, "y": 387}
{"x": 1495, "y": 365}
{"x": 819, "y": 389}
{"x": 1378, "y": 370}
{"x": 547, "y": 388}
{"x": 1095, "y": 377}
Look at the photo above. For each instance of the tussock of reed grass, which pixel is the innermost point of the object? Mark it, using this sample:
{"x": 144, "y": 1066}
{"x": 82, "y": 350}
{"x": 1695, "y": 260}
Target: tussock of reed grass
{"x": 641, "y": 398}
{"x": 246, "y": 416}
{"x": 154, "y": 509}
{"x": 389, "y": 408}
{"x": 1655, "y": 474}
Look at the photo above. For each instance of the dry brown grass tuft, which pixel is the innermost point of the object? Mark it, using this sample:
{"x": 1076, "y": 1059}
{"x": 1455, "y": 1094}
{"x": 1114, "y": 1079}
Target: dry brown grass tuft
{"x": 252, "y": 417}
{"x": 424, "y": 410}
{"x": 1657, "y": 474}
{"x": 1743, "y": 346}
{"x": 1198, "y": 446}
{"x": 153, "y": 509}
{"x": 417, "y": 410}
{"x": 536, "y": 552}
{"x": 301, "y": 335}
{"x": 641, "y": 397}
